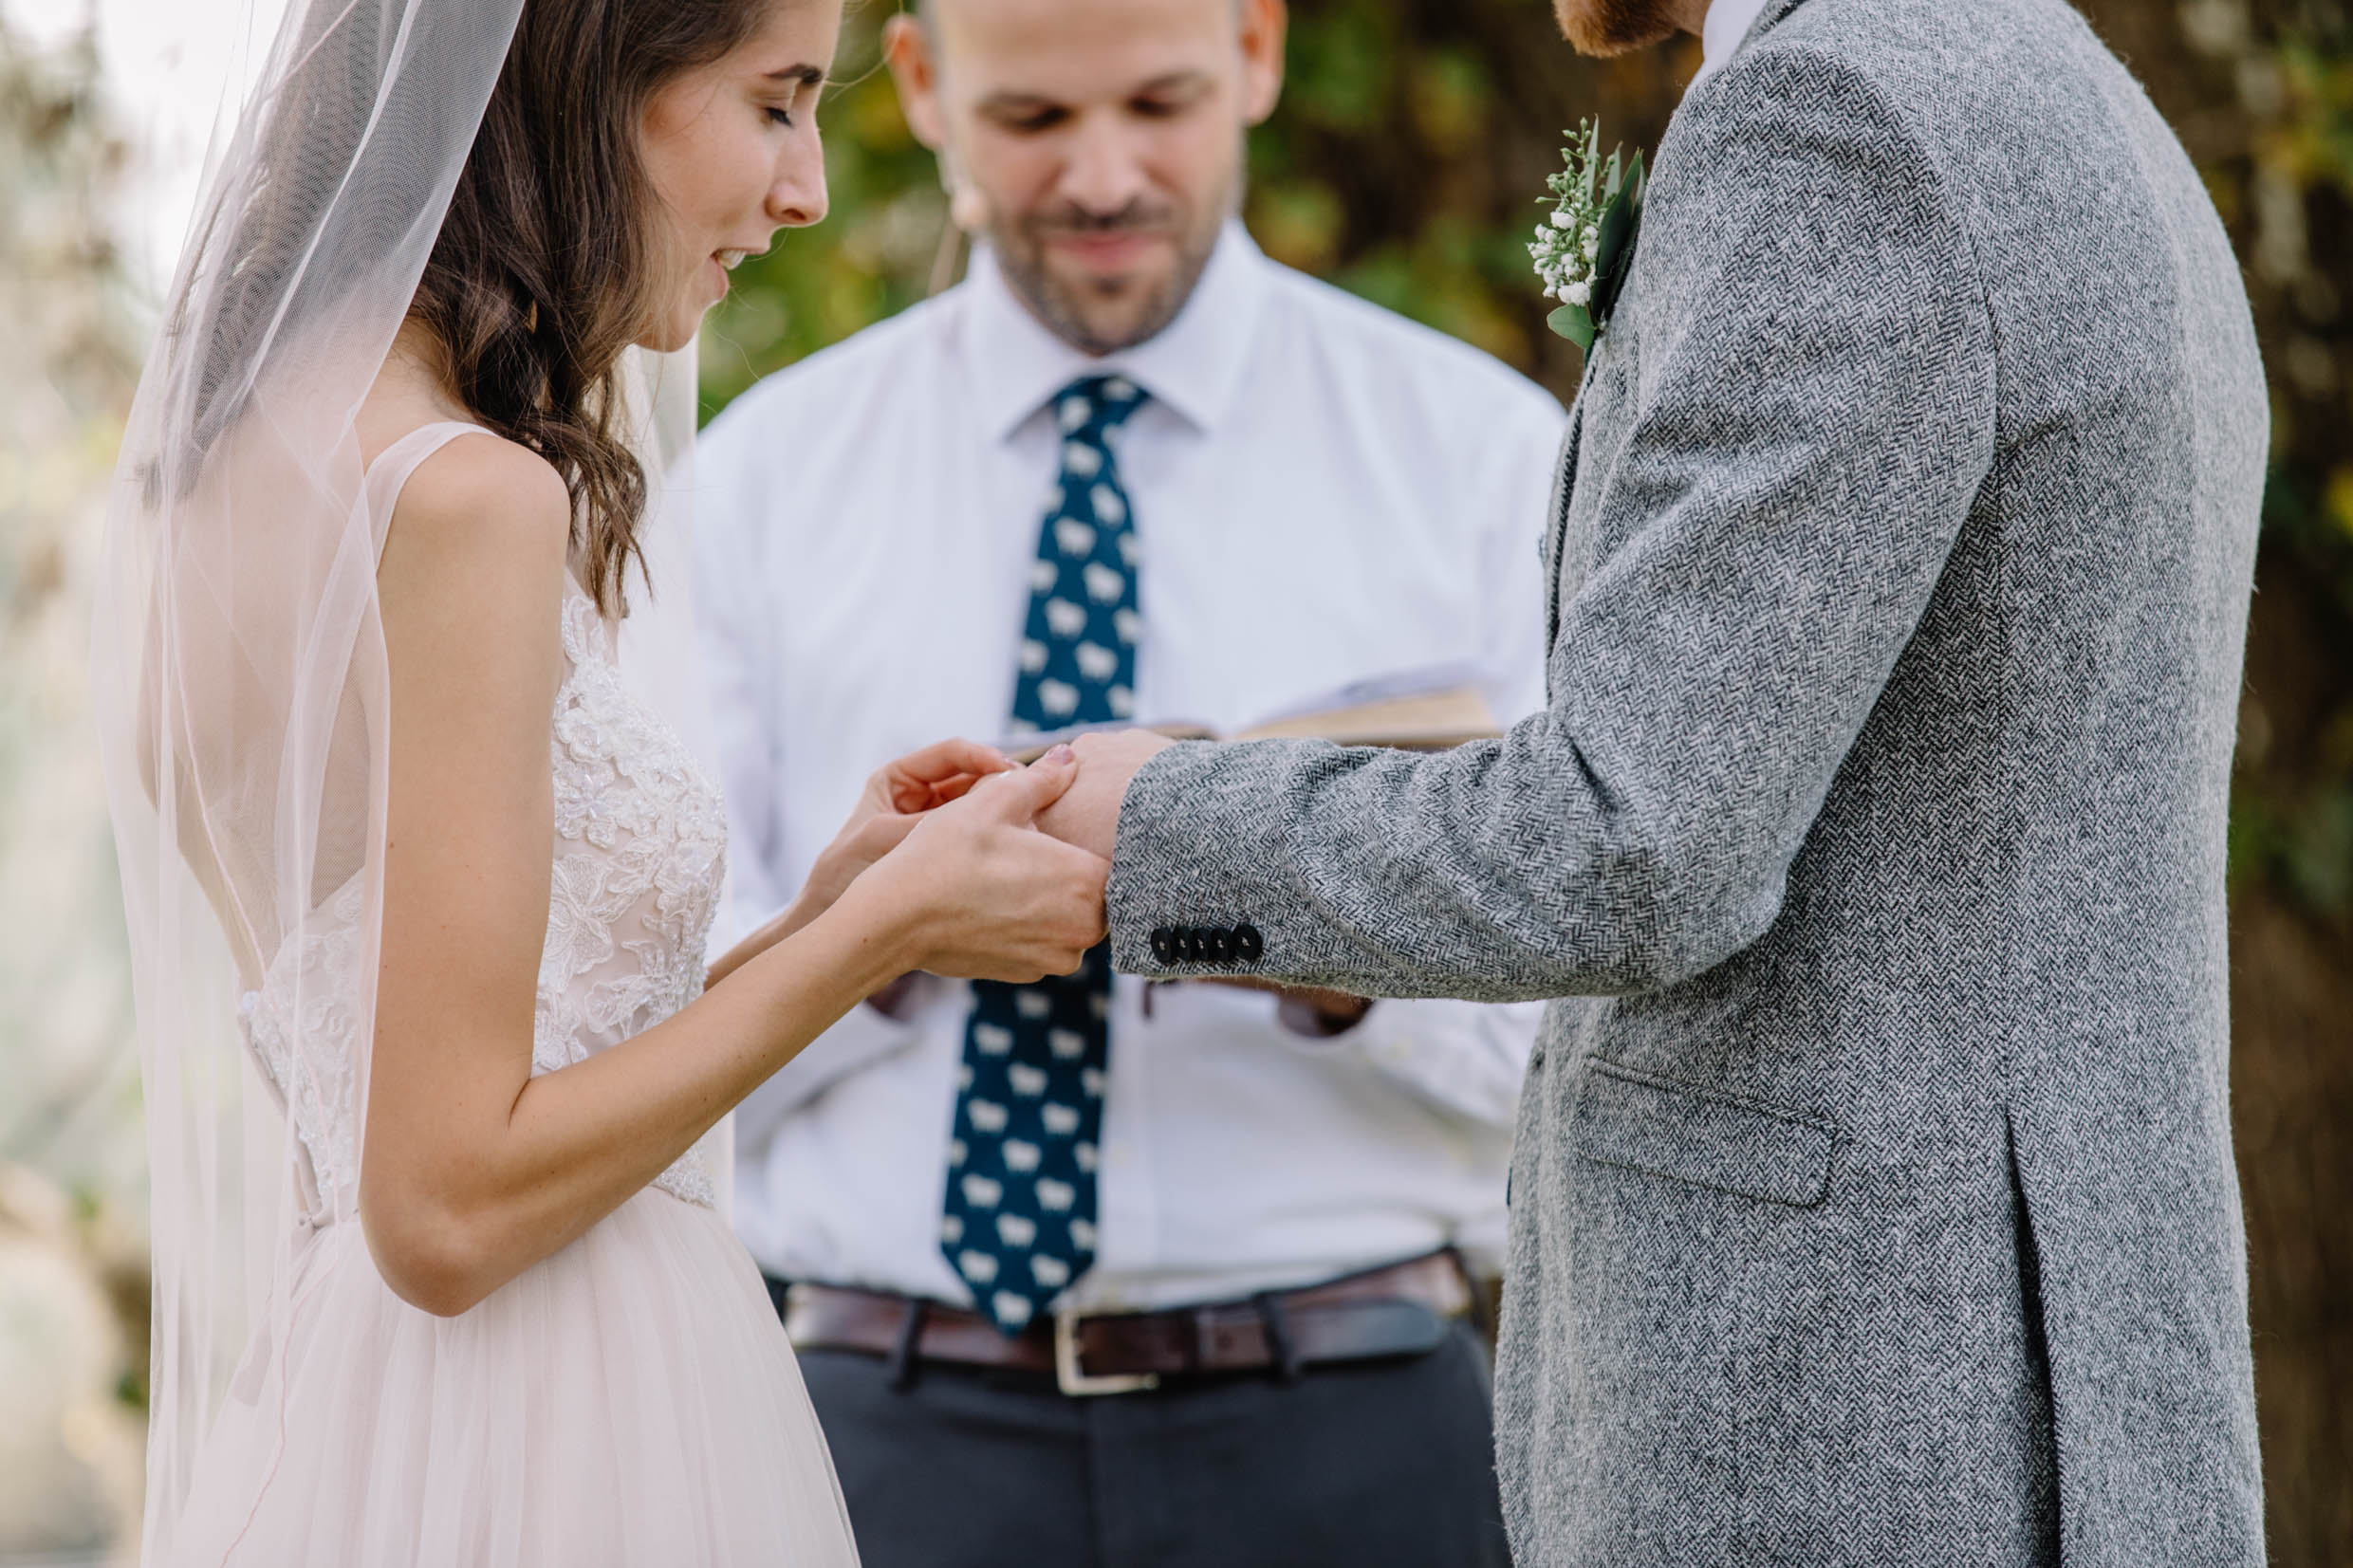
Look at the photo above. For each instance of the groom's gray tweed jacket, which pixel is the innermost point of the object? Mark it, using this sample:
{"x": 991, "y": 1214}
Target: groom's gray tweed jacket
{"x": 1883, "y": 1212}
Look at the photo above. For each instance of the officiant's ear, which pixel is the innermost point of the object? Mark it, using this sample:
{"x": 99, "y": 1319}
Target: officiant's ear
{"x": 915, "y": 69}
{"x": 1265, "y": 25}
{"x": 907, "y": 44}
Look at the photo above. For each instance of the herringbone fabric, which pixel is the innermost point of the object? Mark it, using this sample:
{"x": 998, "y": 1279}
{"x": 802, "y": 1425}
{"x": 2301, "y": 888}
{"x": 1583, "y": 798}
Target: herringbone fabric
{"x": 1879, "y": 1206}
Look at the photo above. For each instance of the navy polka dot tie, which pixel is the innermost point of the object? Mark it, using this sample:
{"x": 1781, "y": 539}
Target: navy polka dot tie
{"x": 1018, "y": 1222}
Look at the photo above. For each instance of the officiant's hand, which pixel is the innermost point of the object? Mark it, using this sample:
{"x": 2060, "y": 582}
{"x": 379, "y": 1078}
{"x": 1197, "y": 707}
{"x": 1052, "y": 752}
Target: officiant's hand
{"x": 1088, "y": 813}
{"x": 1309, "y": 1010}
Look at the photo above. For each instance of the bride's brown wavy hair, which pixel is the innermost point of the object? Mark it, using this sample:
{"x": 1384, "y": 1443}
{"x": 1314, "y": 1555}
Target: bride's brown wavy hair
{"x": 545, "y": 269}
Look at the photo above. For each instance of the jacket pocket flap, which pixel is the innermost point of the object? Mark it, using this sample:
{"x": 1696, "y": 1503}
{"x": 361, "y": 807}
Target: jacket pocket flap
{"x": 1705, "y": 1139}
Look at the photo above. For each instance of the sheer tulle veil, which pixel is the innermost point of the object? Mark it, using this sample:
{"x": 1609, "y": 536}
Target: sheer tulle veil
{"x": 240, "y": 665}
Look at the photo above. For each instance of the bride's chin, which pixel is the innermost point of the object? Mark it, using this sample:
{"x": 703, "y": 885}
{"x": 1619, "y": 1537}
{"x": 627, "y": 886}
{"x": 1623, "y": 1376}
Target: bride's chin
{"x": 671, "y": 335}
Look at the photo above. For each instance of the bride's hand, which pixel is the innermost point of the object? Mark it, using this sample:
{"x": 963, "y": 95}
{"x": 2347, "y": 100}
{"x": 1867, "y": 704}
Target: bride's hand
{"x": 976, "y": 892}
{"x": 893, "y": 800}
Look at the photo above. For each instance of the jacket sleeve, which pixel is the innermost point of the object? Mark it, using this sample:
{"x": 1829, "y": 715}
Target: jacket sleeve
{"x": 1809, "y": 422}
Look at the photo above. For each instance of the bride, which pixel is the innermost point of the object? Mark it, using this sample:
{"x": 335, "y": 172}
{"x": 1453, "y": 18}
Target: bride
{"x": 419, "y": 886}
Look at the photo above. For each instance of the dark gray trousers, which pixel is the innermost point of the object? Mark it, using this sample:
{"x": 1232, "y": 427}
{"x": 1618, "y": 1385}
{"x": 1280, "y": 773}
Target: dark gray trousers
{"x": 1375, "y": 1464}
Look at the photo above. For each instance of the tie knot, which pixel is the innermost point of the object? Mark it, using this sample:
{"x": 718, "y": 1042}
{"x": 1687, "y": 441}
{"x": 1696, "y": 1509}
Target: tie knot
{"x": 1093, "y": 405}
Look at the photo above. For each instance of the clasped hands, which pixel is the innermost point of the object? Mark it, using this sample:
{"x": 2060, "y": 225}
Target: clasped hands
{"x": 1005, "y": 865}
{"x": 1072, "y": 794}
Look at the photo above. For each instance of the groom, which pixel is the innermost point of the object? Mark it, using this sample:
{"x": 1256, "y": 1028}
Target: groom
{"x": 1881, "y": 1209}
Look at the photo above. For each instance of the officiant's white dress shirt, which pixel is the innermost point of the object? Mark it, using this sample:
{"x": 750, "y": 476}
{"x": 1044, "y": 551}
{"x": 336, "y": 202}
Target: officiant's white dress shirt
{"x": 1728, "y": 26}
{"x": 1325, "y": 493}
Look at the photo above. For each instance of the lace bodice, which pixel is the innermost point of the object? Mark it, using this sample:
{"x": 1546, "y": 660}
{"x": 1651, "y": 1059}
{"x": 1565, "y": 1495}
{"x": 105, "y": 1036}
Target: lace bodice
{"x": 640, "y": 849}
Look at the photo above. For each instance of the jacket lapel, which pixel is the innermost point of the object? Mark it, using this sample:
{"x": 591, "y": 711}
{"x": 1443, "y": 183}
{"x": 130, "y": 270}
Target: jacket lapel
{"x": 1565, "y": 483}
{"x": 1556, "y": 522}
{"x": 1771, "y": 15}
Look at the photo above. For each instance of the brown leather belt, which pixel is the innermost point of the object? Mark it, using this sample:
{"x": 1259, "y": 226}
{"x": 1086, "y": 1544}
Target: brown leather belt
{"x": 1402, "y": 1309}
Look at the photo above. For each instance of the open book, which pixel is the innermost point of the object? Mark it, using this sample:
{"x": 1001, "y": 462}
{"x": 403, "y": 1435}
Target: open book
{"x": 1423, "y": 710}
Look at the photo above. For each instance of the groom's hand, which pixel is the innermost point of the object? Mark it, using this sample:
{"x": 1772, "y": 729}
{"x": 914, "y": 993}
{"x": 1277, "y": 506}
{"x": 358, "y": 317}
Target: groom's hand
{"x": 1088, "y": 816}
{"x": 1088, "y": 813}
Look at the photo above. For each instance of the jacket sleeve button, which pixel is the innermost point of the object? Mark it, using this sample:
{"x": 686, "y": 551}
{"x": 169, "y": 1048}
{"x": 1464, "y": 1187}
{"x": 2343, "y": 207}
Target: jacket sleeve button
{"x": 1248, "y": 944}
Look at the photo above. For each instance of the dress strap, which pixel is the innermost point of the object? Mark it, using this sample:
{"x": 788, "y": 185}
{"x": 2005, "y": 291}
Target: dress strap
{"x": 389, "y": 474}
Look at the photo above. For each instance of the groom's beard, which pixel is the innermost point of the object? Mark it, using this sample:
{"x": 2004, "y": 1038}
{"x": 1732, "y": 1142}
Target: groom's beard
{"x": 1100, "y": 316}
{"x": 1605, "y": 28}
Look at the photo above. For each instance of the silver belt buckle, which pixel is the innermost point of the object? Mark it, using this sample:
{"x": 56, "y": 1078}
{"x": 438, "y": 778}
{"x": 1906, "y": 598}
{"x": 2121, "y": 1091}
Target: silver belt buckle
{"x": 1072, "y": 1379}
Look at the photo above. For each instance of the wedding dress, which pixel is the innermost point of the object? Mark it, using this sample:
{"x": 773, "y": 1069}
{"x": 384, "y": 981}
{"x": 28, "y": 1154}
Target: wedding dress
{"x": 630, "y": 1400}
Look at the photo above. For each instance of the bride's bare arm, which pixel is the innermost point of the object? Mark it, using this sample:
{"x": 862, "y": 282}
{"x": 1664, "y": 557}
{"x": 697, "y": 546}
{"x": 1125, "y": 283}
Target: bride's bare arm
{"x": 473, "y": 1168}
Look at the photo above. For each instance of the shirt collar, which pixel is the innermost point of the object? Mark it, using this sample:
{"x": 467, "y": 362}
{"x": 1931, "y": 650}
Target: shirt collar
{"x": 1194, "y": 365}
{"x": 1727, "y": 27}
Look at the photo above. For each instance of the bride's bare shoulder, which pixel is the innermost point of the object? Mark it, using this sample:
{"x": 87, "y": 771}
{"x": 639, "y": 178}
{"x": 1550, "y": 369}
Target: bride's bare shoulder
{"x": 482, "y": 488}
{"x": 477, "y": 493}
{"x": 473, "y": 571}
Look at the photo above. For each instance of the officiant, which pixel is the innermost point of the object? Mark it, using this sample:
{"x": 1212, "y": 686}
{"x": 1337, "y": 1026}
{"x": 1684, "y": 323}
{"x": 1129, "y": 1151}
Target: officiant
{"x": 1092, "y": 1271}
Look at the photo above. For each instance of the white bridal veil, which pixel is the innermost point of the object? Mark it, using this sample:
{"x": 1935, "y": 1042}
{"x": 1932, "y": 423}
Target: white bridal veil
{"x": 241, "y": 672}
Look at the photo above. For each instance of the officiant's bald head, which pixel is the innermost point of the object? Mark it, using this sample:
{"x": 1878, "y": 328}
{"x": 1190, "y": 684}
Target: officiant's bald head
{"x": 1095, "y": 144}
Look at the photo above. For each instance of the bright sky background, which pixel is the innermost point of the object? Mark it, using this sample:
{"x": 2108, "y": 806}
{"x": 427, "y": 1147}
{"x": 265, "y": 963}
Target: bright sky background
{"x": 169, "y": 65}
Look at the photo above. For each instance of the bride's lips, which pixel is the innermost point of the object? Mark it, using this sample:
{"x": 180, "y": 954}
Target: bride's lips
{"x": 721, "y": 262}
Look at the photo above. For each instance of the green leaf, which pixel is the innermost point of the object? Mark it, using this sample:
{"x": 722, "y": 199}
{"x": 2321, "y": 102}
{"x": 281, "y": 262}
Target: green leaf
{"x": 1616, "y": 227}
{"x": 1606, "y": 290}
{"x": 1615, "y": 258}
{"x": 1641, "y": 180}
{"x": 1617, "y": 174}
{"x": 1575, "y": 322}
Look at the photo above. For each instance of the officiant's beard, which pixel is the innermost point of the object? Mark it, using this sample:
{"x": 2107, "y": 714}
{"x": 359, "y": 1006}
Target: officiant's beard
{"x": 1098, "y": 317}
{"x": 1606, "y": 27}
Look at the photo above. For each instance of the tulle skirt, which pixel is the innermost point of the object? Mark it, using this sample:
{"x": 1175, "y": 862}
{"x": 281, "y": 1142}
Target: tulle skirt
{"x": 631, "y": 1401}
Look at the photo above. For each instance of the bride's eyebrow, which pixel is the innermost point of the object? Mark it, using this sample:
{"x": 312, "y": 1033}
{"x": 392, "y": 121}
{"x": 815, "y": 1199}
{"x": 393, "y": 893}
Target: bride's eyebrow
{"x": 804, "y": 76}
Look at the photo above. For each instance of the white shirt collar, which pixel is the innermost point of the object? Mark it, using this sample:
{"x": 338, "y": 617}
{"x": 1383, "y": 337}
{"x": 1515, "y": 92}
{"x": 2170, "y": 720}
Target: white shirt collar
{"x": 1015, "y": 365}
{"x": 1727, "y": 27}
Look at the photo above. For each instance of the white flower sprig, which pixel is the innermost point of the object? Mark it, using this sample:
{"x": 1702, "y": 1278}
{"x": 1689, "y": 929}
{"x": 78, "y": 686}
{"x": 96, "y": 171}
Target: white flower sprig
{"x": 1569, "y": 239}
{"x": 1584, "y": 246}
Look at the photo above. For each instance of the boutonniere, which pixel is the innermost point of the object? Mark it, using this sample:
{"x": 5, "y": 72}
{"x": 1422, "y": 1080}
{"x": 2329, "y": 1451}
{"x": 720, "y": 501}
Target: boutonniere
{"x": 1585, "y": 247}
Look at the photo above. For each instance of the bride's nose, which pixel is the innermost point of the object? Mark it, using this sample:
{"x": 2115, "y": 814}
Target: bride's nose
{"x": 797, "y": 197}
